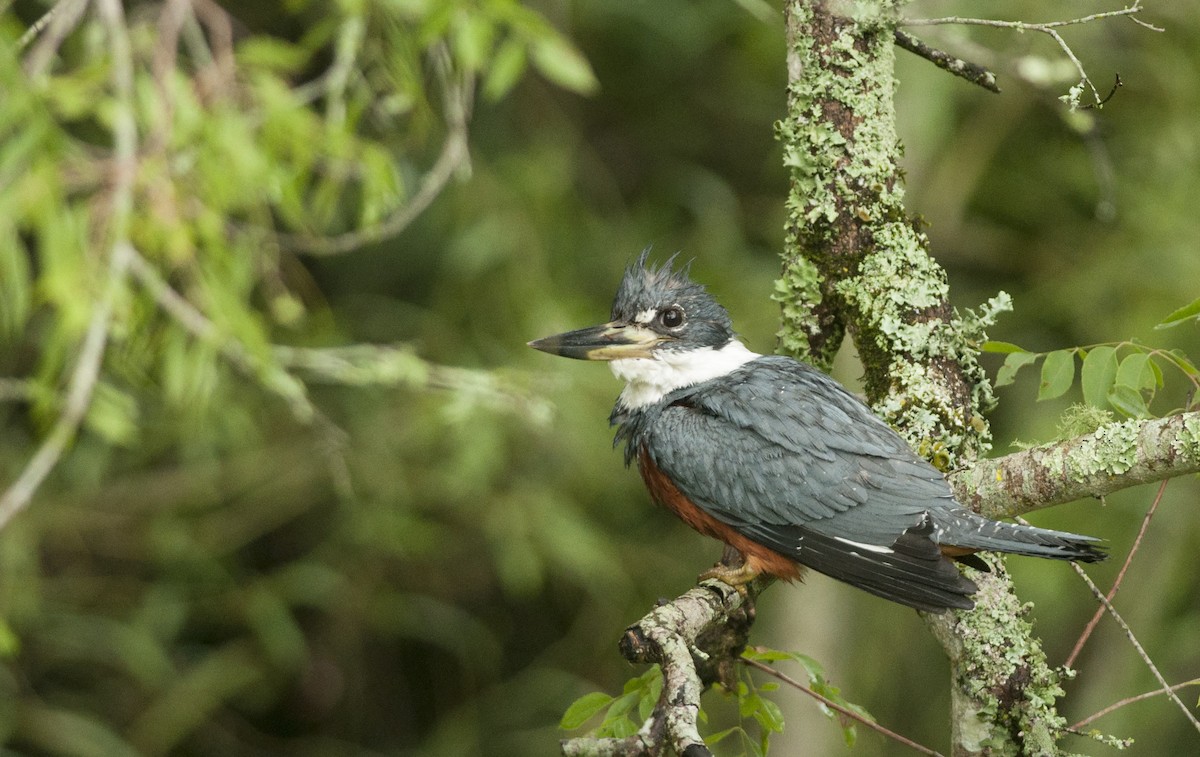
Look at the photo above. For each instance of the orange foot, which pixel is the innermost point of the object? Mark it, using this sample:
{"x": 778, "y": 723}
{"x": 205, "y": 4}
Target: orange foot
{"x": 736, "y": 577}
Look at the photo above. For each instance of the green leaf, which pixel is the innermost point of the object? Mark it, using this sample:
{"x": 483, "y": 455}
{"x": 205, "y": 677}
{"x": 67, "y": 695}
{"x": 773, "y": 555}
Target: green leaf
{"x": 506, "y": 70}
{"x": 1128, "y": 400}
{"x": 650, "y": 694}
{"x": 113, "y": 415}
{"x": 1013, "y": 363}
{"x": 1058, "y": 373}
{"x": 562, "y": 64}
{"x": 1098, "y": 374}
{"x": 583, "y": 709}
{"x": 1001, "y": 347}
{"x": 1189, "y": 312}
{"x": 1135, "y": 372}
{"x": 720, "y": 736}
{"x": 769, "y": 716}
{"x": 622, "y": 705}
{"x": 473, "y": 38}
{"x": 1183, "y": 362}
{"x": 850, "y": 734}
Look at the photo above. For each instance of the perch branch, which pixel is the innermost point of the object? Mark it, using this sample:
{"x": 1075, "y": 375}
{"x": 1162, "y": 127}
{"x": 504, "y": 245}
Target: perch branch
{"x": 679, "y": 636}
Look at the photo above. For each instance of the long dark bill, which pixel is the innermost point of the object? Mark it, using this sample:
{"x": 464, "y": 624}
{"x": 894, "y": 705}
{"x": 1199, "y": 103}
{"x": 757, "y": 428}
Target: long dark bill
{"x": 609, "y": 341}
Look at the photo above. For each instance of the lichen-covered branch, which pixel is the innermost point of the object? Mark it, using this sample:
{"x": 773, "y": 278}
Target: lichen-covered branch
{"x": 1111, "y": 458}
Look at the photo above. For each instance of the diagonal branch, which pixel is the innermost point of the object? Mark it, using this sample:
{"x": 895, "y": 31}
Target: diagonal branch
{"x": 1114, "y": 457}
{"x": 972, "y": 72}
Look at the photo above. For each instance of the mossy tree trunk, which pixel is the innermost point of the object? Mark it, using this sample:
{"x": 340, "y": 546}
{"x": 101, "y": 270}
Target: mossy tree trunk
{"x": 856, "y": 263}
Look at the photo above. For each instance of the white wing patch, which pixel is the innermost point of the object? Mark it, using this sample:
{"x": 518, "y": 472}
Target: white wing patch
{"x": 648, "y": 380}
{"x": 868, "y": 547}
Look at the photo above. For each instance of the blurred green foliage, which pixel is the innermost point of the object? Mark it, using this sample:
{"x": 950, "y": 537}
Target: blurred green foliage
{"x": 348, "y": 512}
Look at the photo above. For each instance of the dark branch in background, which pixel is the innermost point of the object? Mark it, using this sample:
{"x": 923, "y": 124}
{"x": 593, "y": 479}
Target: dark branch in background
{"x": 972, "y": 72}
{"x": 1051, "y": 30}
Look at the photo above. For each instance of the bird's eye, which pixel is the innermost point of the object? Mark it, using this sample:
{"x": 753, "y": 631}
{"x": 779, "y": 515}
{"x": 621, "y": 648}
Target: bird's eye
{"x": 672, "y": 317}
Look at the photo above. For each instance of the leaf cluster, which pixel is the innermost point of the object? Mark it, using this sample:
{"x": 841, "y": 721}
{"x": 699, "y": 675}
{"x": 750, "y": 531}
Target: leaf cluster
{"x": 1124, "y": 377}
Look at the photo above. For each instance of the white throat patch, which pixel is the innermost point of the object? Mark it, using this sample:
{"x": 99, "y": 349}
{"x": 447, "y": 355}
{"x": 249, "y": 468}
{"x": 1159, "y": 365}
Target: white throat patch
{"x": 647, "y": 380}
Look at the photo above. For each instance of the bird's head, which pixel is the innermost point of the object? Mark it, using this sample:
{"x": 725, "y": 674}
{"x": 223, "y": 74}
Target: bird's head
{"x": 658, "y": 314}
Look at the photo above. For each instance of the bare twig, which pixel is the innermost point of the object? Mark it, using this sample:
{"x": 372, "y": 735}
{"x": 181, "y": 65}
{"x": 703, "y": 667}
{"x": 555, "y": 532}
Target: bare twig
{"x": 1091, "y": 626}
{"x": 1130, "y": 700}
{"x": 1050, "y": 29}
{"x": 198, "y": 324}
{"x": 1166, "y": 687}
{"x": 458, "y": 97}
{"x": 220, "y": 27}
{"x": 58, "y": 22}
{"x": 84, "y": 377}
{"x": 166, "y": 50}
{"x": 963, "y": 69}
{"x": 847, "y": 712}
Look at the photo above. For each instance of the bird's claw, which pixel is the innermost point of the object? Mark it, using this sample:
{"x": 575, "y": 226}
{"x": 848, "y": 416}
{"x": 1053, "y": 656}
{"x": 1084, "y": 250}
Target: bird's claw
{"x": 739, "y": 578}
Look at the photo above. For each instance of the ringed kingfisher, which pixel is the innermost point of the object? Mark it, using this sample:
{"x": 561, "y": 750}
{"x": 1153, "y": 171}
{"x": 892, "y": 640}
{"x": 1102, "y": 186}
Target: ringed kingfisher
{"x": 778, "y": 460}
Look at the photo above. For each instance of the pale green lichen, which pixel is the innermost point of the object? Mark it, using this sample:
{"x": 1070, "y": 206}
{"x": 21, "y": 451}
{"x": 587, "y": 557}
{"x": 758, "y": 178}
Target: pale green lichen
{"x": 1004, "y": 669}
{"x": 1112, "y": 449}
{"x": 798, "y": 292}
{"x": 1187, "y": 442}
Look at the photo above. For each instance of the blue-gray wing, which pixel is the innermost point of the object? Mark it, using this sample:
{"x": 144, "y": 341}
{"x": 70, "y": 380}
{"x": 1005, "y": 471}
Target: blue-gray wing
{"x": 780, "y": 443}
{"x": 792, "y": 460}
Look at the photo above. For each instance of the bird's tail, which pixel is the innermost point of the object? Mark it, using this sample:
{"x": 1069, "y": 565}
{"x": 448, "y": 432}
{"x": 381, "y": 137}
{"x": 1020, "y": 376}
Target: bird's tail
{"x": 966, "y": 530}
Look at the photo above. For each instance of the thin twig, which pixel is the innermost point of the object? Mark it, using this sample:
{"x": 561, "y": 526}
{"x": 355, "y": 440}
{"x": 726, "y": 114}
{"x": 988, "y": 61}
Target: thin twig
{"x": 220, "y": 27}
{"x": 86, "y": 374}
{"x": 1023, "y": 25}
{"x": 1048, "y": 28}
{"x": 166, "y": 51}
{"x": 1166, "y": 687}
{"x": 346, "y": 51}
{"x": 835, "y": 706}
{"x": 1130, "y": 700}
{"x": 454, "y": 155}
{"x": 58, "y": 22}
{"x": 274, "y": 377}
{"x": 1087, "y": 631}
{"x": 972, "y": 72}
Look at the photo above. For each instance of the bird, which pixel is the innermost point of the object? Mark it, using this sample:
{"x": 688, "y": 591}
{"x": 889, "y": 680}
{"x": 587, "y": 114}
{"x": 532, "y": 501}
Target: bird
{"x": 778, "y": 460}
